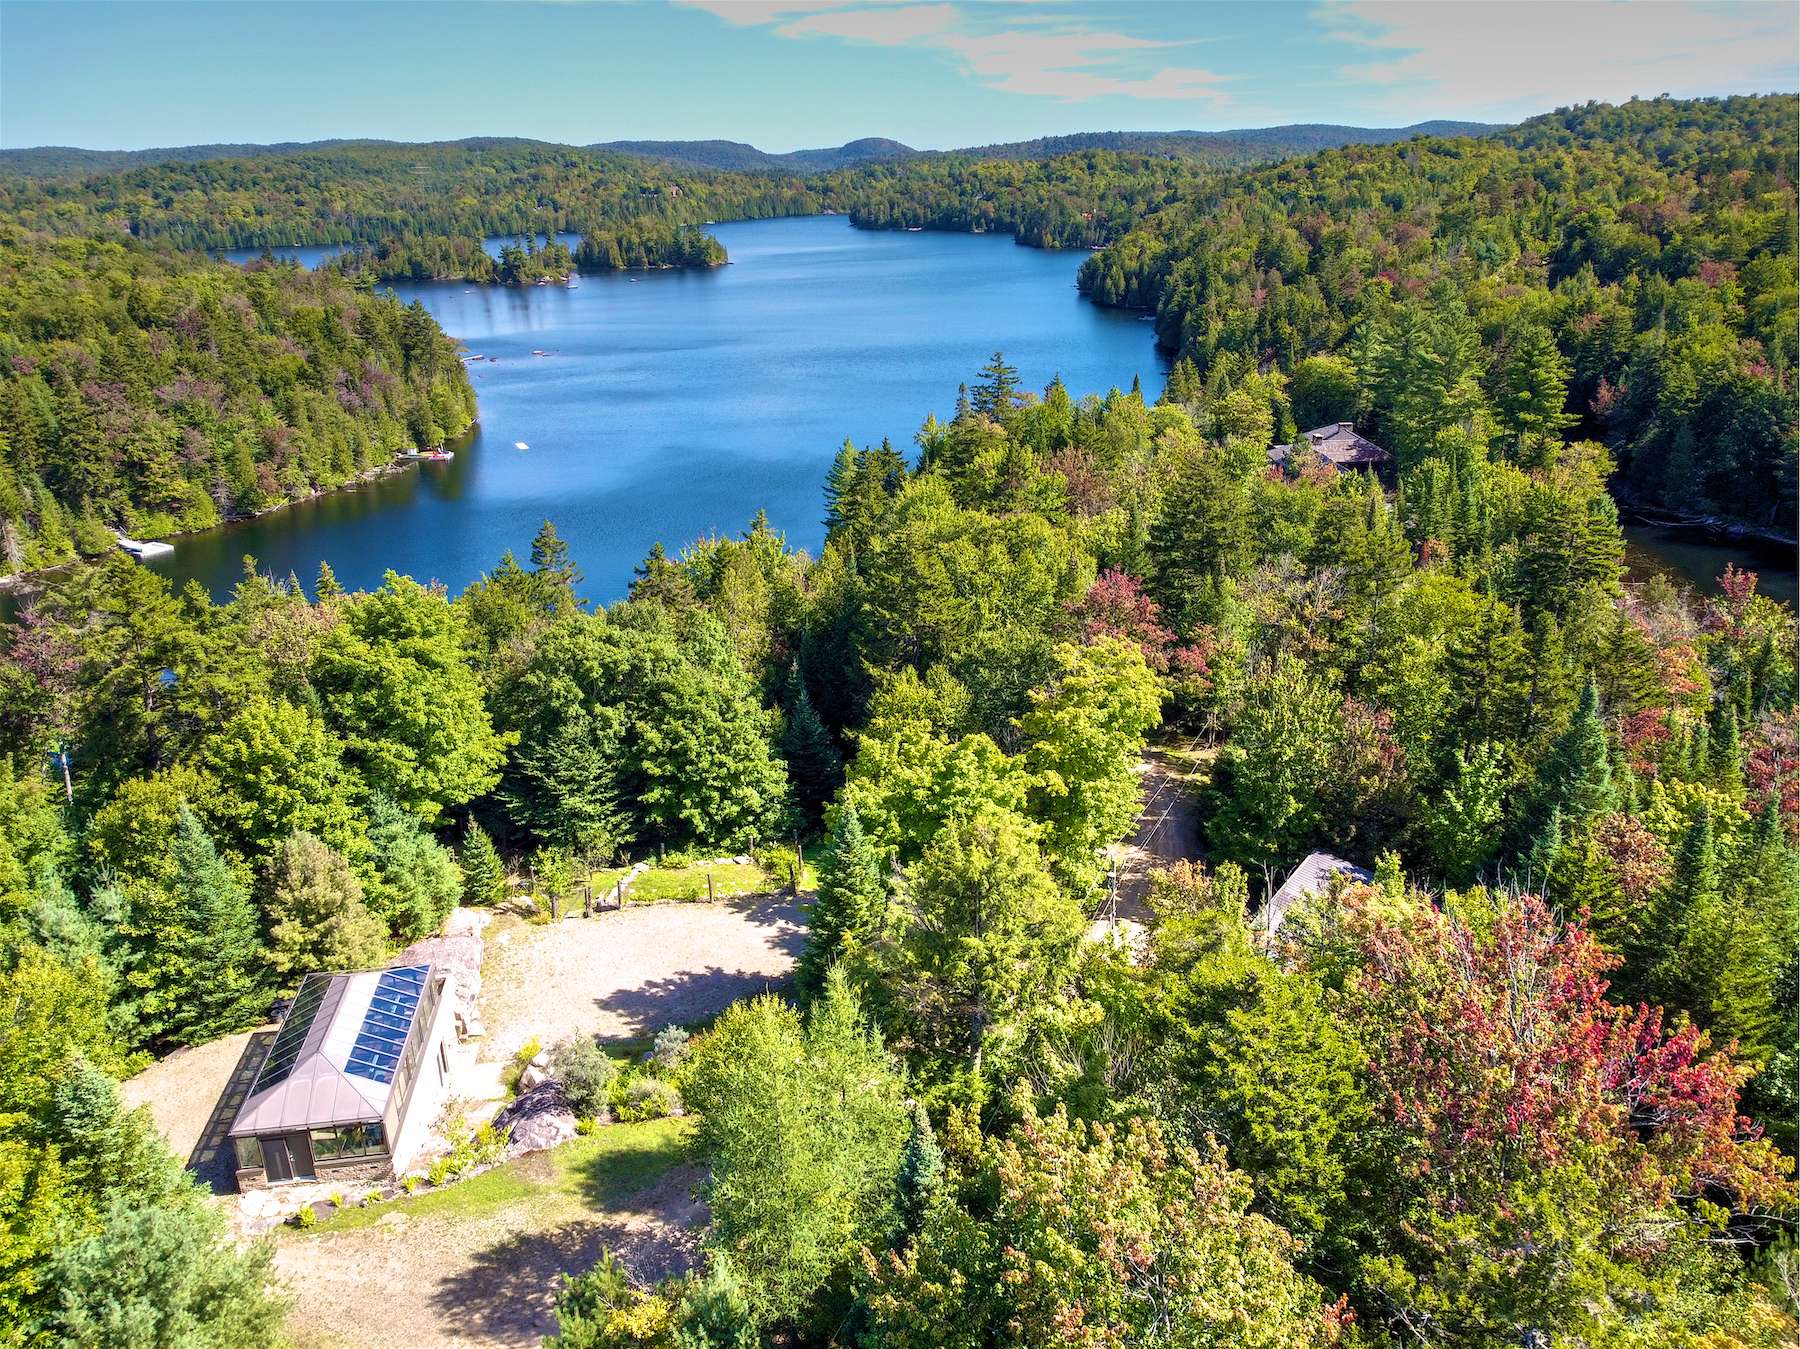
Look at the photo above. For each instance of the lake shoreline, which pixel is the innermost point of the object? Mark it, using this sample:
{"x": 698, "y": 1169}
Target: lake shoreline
{"x": 20, "y": 585}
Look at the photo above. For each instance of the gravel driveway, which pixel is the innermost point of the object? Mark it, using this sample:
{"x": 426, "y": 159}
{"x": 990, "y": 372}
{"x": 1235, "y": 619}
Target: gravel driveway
{"x": 629, "y": 972}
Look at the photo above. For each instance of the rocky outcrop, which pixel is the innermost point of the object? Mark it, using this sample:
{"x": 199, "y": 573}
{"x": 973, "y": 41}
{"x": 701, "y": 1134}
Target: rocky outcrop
{"x": 540, "y": 1118}
{"x": 458, "y": 950}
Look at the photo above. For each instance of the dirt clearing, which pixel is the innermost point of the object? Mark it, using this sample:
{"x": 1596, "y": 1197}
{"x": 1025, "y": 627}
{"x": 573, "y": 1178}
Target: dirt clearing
{"x": 480, "y": 1262}
{"x": 629, "y": 972}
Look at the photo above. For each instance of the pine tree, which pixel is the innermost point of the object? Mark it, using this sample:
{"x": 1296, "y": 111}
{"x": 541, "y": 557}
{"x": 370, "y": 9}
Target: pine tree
{"x": 849, "y": 899}
{"x": 1183, "y": 384}
{"x": 839, "y": 481}
{"x": 998, "y": 394}
{"x": 550, "y": 560}
{"x": 317, "y": 918}
{"x": 921, "y": 1172}
{"x": 218, "y": 957}
{"x": 813, "y": 763}
{"x": 484, "y": 876}
{"x": 1725, "y": 756}
{"x": 1576, "y": 779}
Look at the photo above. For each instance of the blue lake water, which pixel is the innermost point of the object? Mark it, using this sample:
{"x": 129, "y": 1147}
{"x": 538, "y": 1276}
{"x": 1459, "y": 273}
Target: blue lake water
{"x": 672, "y": 405}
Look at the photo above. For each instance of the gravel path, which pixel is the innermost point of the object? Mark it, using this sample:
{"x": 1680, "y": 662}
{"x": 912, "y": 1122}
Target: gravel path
{"x": 629, "y": 972}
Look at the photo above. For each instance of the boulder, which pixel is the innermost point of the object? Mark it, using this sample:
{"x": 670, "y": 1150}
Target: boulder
{"x": 540, "y": 1118}
{"x": 532, "y": 1076}
{"x": 458, "y": 952}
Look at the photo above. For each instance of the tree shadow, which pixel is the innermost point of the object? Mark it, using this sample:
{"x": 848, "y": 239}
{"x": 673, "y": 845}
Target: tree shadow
{"x": 780, "y": 911}
{"x": 213, "y": 1159}
{"x": 689, "y": 997}
{"x": 506, "y": 1294}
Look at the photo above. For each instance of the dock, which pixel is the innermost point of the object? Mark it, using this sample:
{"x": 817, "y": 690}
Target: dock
{"x": 141, "y": 549}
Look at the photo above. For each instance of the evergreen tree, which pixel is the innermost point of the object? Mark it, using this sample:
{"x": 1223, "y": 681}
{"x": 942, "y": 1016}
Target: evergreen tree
{"x": 218, "y": 962}
{"x": 921, "y": 1172}
{"x": 317, "y": 918}
{"x": 552, "y": 565}
{"x": 1576, "y": 779}
{"x": 484, "y": 876}
{"x": 850, "y": 898}
{"x": 814, "y": 766}
{"x": 998, "y": 393}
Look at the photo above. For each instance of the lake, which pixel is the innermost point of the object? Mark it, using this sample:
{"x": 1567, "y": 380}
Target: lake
{"x": 671, "y": 405}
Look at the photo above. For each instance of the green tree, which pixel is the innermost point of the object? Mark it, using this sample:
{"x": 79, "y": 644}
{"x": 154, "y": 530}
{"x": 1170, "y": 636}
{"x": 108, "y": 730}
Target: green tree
{"x": 317, "y": 918}
{"x": 195, "y": 969}
{"x": 1067, "y": 1232}
{"x": 1324, "y": 389}
{"x": 1462, "y": 824}
{"x": 397, "y": 687}
{"x": 168, "y": 1278}
{"x": 484, "y": 875}
{"x": 851, "y": 896}
{"x": 1083, "y": 734}
{"x": 412, "y": 881}
{"x": 997, "y": 395}
{"x": 278, "y": 770}
{"x": 814, "y": 766}
{"x": 801, "y": 1127}
{"x": 985, "y": 939}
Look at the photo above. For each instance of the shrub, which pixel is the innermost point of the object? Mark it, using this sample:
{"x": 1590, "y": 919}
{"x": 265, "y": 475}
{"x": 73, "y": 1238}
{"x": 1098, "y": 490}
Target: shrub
{"x": 585, "y": 1072}
{"x": 412, "y": 1182}
{"x": 337, "y": 1198}
{"x": 671, "y": 1046}
{"x": 305, "y": 1217}
{"x": 521, "y": 1061}
{"x": 440, "y": 1171}
{"x": 646, "y": 1098}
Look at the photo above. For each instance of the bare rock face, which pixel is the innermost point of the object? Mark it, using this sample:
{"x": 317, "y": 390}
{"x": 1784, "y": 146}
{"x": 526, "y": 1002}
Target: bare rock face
{"x": 540, "y": 1118}
{"x": 458, "y": 951}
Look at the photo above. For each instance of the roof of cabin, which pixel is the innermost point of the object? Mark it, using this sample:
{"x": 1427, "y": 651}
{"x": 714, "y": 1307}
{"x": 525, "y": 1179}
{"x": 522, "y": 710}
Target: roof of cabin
{"x": 1338, "y": 444}
{"x": 334, "y": 1056}
{"x": 1311, "y": 877}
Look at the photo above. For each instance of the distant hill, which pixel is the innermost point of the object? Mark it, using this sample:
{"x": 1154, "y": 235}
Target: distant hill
{"x": 1250, "y": 144}
{"x": 738, "y": 157}
{"x": 1247, "y": 146}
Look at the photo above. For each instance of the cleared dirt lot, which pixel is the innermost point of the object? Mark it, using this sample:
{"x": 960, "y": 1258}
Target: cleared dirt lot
{"x": 629, "y": 972}
{"x": 480, "y": 1263}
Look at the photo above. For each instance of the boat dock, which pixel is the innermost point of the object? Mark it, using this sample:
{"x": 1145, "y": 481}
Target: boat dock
{"x": 141, "y": 549}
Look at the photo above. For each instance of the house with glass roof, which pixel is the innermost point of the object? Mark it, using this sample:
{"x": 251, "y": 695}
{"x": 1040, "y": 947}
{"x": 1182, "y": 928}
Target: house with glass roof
{"x": 349, "y": 1086}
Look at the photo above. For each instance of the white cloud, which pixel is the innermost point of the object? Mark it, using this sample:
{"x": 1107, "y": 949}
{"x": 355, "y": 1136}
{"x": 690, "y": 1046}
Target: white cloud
{"x": 1039, "y": 54}
{"x": 755, "y": 13}
{"x": 1506, "y": 59}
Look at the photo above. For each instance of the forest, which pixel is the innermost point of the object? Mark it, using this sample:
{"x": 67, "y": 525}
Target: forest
{"x": 154, "y": 392}
{"x": 1646, "y": 250}
{"x": 1532, "y": 1083}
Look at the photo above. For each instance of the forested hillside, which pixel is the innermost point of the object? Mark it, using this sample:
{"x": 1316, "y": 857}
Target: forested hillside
{"x": 1627, "y": 272}
{"x": 1443, "y": 1099}
{"x": 154, "y": 392}
{"x": 366, "y": 192}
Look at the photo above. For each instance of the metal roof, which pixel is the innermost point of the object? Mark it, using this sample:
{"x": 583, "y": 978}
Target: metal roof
{"x": 1311, "y": 877}
{"x": 333, "y": 1058}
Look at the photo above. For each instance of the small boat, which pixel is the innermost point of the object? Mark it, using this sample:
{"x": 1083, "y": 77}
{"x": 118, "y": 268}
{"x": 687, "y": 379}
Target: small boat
{"x": 437, "y": 456}
{"x": 539, "y": 353}
{"x": 520, "y": 445}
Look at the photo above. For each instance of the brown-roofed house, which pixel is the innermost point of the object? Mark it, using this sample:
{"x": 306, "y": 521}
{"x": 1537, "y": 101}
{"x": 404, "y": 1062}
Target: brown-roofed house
{"x": 348, "y": 1087}
{"x": 1338, "y": 445}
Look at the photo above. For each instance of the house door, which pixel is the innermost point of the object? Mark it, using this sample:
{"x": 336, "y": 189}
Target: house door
{"x": 287, "y": 1157}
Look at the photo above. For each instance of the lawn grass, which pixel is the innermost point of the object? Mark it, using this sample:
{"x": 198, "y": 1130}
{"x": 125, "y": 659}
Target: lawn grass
{"x": 688, "y": 884}
{"x": 608, "y": 1165}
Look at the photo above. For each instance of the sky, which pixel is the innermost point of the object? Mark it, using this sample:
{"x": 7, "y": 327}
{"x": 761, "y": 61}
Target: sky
{"x": 787, "y": 74}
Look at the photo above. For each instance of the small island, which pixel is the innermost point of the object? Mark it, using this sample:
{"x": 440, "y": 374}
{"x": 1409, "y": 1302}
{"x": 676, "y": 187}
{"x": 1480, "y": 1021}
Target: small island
{"x": 642, "y": 245}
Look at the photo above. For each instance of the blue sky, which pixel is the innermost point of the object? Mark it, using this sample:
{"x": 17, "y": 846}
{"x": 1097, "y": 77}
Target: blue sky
{"x": 792, "y": 73}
